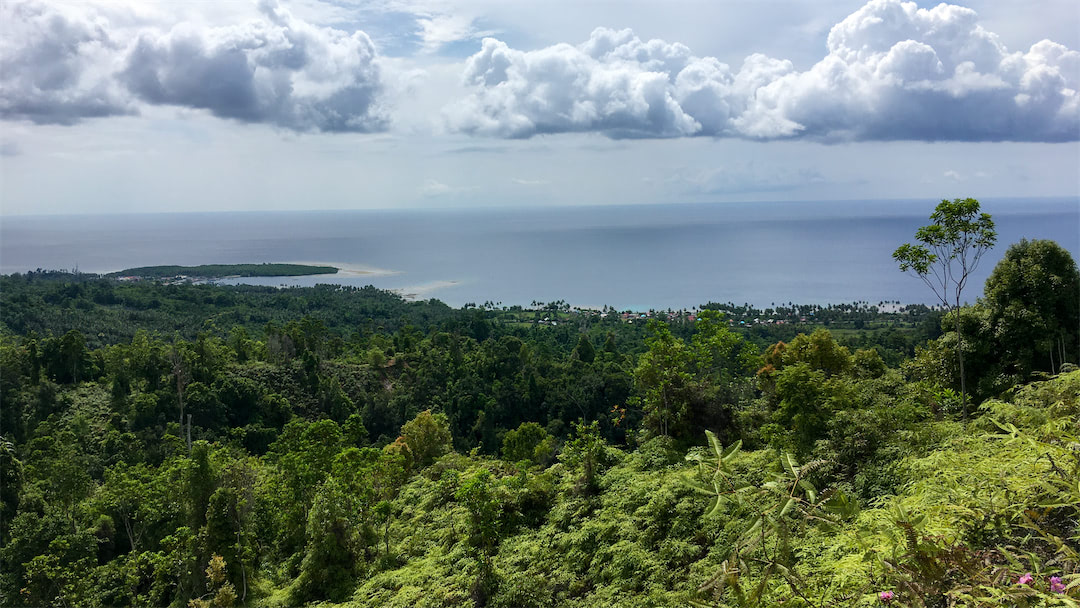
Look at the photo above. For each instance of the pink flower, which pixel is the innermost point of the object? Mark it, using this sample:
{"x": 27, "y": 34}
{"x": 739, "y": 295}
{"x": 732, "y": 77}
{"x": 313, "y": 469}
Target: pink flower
{"x": 1025, "y": 580}
{"x": 1056, "y": 586}
{"x": 886, "y": 596}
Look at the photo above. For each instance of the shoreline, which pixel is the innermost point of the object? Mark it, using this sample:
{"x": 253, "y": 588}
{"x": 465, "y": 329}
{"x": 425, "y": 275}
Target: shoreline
{"x": 423, "y": 291}
{"x": 354, "y": 270}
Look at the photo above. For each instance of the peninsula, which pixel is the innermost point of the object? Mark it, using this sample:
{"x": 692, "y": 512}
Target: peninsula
{"x": 218, "y": 271}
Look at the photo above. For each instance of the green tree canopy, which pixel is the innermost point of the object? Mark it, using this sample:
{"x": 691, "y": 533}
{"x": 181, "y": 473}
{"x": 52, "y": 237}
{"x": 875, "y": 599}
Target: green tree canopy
{"x": 428, "y": 437}
{"x": 1033, "y": 299}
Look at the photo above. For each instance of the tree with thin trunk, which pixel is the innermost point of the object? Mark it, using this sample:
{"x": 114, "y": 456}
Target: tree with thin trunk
{"x": 947, "y": 254}
{"x": 183, "y": 377}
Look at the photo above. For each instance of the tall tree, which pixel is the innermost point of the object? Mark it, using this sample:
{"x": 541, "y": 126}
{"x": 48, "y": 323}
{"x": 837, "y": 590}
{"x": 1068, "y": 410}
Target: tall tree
{"x": 1032, "y": 298}
{"x": 181, "y": 371}
{"x": 947, "y": 253}
{"x": 665, "y": 381}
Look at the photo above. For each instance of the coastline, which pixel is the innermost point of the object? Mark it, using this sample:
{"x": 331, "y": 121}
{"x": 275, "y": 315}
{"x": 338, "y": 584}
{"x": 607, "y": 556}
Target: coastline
{"x": 350, "y": 270}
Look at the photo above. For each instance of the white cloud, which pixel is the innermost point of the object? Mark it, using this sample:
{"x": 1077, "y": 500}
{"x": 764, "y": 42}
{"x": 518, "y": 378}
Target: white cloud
{"x": 744, "y": 178}
{"x": 433, "y": 187}
{"x": 63, "y": 66}
{"x": 437, "y": 30}
{"x": 893, "y": 71}
{"x": 963, "y": 177}
{"x": 530, "y": 182}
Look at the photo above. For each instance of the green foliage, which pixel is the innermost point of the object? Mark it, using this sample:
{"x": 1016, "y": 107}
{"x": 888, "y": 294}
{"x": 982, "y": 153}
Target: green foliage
{"x": 818, "y": 351}
{"x": 584, "y": 350}
{"x": 949, "y": 251}
{"x": 322, "y": 464}
{"x": 586, "y": 452}
{"x": 683, "y": 386}
{"x": 529, "y": 442}
{"x": 221, "y": 593}
{"x": 225, "y": 270}
{"x": 1033, "y": 311}
{"x": 427, "y": 437}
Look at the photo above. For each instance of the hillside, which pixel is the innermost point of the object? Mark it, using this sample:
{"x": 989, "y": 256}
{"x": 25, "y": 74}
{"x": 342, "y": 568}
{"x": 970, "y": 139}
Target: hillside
{"x": 201, "y": 445}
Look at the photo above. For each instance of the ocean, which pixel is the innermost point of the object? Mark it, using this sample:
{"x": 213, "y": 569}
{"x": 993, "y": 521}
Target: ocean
{"x": 638, "y": 257}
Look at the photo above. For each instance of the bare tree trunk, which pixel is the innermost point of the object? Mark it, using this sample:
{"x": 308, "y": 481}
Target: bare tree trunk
{"x": 243, "y": 567}
{"x": 182, "y": 379}
{"x": 130, "y": 533}
{"x": 180, "y": 393}
{"x": 188, "y": 433}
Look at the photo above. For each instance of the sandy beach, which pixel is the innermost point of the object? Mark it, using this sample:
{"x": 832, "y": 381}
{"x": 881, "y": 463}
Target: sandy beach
{"x": 422, "y": 291}
{"x": 354, "y": 270}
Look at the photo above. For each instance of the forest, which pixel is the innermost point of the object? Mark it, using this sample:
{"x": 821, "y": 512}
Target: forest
{"x": 224, "y": 270}
{"x": 204, "y": 446}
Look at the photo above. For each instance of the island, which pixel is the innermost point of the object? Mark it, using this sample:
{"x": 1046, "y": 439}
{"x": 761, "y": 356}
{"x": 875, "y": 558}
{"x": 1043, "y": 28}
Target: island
{"x": 218, "y": 271}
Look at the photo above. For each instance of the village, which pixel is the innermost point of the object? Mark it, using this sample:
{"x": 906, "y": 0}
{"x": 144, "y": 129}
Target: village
{"x": 856, "y": 315}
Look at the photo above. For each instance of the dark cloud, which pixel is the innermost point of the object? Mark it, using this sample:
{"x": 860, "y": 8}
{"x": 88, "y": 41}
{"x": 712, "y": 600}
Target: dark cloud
{"x": 892, "y": 72}
{"x": 55, "y": 68}
{"x": 279, "y": 71}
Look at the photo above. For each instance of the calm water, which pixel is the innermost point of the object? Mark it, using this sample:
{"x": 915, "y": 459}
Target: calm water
{"x": 640, "y": 257}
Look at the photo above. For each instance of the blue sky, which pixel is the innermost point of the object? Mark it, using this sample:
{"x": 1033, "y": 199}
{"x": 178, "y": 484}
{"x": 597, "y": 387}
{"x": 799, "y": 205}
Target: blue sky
{"x": 107, "y": 106}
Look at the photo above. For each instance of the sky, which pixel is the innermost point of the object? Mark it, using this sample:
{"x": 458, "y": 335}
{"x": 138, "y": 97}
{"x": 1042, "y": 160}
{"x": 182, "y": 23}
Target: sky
{"x": 113, "y": 106}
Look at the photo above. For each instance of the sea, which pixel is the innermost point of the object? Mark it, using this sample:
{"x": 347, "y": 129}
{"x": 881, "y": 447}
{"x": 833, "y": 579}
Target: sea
{"x": 640, "y": 257}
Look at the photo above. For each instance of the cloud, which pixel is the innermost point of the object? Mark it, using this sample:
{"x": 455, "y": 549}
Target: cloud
{"x": 745, "y": 178}
{"x": 9, "y": 148}
{"x": 55, "y": 67}
{"x": 433, "y": 188}
{"x": 63, "y": 67}
{"x": 439, "y": 30}
{"x": 530, "y": 182}
{"x": 278, "y": 70}
{"x": 893, "y": 71}
{"x": 962, "y": 177}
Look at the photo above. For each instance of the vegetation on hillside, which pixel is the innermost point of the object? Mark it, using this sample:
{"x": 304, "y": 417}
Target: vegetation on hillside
{"x": 200, "y": 445}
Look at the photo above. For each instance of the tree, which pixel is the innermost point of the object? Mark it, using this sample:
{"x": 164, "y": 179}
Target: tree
{"x": 223, "y": 592}
{"x": 683, "y": 386}
{"x": 948, "y": 253}
{"x": 304, "y": 454}
{"x": 584, "y": 350}
{"x": 329, "y": 564}
{"x": 428, "y": 437}
{"x": 1034, "y": 311}
{"x": 528, "y": 442}
{"x": 664, "y": 380}
{"x": 181, "y": 371}
{"x": 129, "y": 493}
{"x": 585, "y": 449}
{"x": 11, "y": 482}
{"x": 73, "y": 353}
